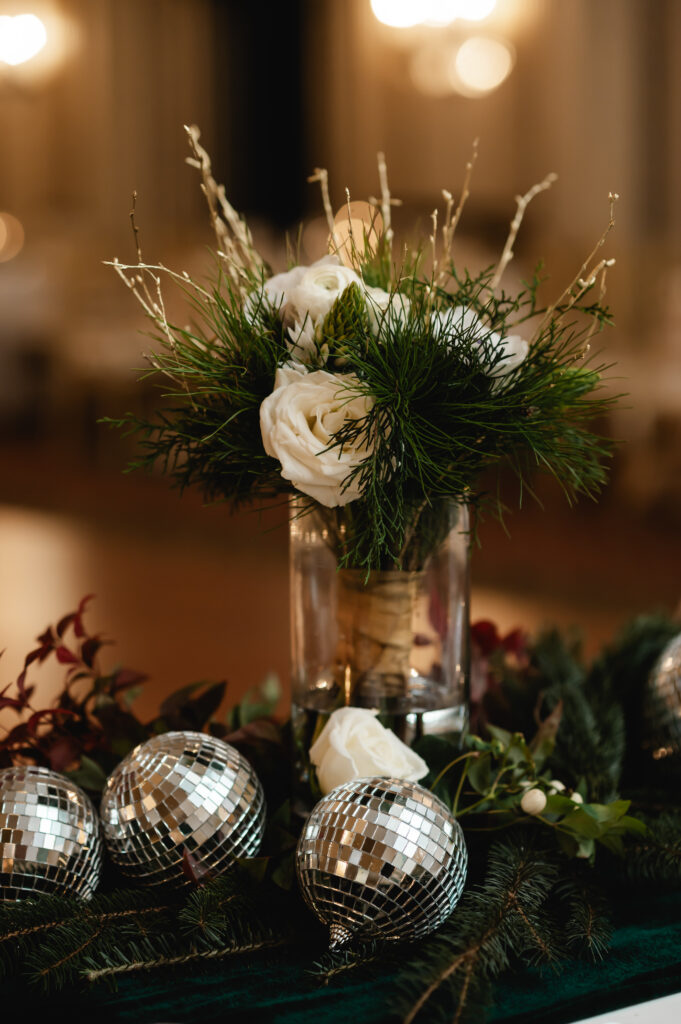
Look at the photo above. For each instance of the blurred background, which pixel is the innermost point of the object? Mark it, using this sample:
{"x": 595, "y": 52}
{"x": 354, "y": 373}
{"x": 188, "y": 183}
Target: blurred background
{"x": 93, "y": 97}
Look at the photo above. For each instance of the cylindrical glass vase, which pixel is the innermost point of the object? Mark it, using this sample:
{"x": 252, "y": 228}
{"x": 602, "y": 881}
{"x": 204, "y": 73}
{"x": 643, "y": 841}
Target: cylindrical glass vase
{"x": 396, "y": 642}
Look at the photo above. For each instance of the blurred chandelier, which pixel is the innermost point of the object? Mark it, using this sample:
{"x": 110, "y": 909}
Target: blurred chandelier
{"x": 456, "y": 46}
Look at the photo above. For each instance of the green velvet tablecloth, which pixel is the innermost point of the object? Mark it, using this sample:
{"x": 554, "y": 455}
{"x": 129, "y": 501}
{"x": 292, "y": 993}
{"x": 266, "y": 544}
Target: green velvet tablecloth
{"x": 644, "y": 962}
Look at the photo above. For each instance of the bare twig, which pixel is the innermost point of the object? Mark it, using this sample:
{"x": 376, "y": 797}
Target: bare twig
{"x": 235, "y": 245}
{"x": 322, "y": 176}
{"x": 451, "y": 221}
{"x": 584, "y": 278}
{"x": 522, "y": 204}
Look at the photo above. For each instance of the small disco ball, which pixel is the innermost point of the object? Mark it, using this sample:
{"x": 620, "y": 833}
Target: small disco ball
{"x": 49, "y": 836}
{"x": 181, "y": 793}
{"x": 381, "y": 859}
{"x": 661, "y": 730}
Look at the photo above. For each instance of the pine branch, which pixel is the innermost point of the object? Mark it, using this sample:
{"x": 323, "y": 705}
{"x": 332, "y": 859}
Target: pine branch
{"x": 504, "y": 918}
{"x": 113, "y": 970}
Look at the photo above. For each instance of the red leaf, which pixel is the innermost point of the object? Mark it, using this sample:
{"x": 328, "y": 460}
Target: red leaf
{"x": 62, "y": 752}
{"x": 485, "y": 636}
{"x": 16, "y": 735}
{"x": 65, "y": 656}
{"x": 89, "y": 650}
{"x": 64, "y": 624}
{"x": 46, "y": 639}
{"x": 78, "y": 627}
{"x": 515, "y": 642}
{"x": 10, "y": 702}
{"x": 36, "y": 718}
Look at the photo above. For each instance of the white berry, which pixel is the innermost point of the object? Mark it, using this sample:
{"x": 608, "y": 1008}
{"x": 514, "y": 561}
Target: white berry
{"x": 556, "y": 786}
{"x": 533, "y": 801}
{"x": 577, "y": 798}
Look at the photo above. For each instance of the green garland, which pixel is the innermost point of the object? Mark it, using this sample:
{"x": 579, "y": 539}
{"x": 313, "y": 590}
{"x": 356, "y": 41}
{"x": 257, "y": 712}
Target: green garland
{"x": 529, "y": 900}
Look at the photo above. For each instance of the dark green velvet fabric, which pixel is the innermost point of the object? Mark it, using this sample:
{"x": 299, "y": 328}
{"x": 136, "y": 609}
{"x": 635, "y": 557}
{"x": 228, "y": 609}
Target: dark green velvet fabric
{"x": 645, "y": 962}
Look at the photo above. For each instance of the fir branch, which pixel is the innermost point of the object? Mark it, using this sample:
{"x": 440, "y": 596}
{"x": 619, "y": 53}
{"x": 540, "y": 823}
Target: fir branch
{"x": 505, "y": 917}
{"x": 363, "y": 959}
{"x": 140, "y": 963}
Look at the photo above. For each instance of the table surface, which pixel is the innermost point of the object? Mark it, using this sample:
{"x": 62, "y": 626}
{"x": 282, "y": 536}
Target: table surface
{"x": 644, "y": 963}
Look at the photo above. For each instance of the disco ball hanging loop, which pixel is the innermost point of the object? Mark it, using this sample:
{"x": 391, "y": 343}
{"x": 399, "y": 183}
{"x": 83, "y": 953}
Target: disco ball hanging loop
{"x": 49, "y": 835}
{"x": 381, "y": 858}
{"x": 176, "y": 794}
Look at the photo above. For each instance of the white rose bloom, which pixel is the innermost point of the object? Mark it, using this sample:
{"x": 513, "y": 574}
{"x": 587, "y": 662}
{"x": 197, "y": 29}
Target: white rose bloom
{"x": 298, "y": 421}
{"x": 273, "y": 292}
{"x": 354, "y": 745}
{"x": 382, "y": 305}
{"x": 457, "y": 323}
{"x": 514, "y": 349}
{"x": 318, "y": 288}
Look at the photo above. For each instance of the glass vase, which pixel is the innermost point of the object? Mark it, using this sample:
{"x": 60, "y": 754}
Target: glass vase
{"x": 395, "y": 641}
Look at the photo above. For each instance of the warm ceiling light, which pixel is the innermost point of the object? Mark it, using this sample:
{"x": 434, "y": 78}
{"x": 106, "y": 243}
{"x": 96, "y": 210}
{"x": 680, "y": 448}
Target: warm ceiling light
{"x": 481, "y": 64}
{"x": 21, "y": 37}
{"x": 398, "y": 13}
{"x": 408, "y": 13}
{"x": 11, "y": 237}
{"x": 475, "y": 10}
{"x": 440, "y": 12}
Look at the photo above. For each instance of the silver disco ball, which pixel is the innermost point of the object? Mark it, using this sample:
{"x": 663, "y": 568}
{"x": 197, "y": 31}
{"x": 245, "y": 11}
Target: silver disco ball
{"x": 181, "y": 792}
{"x": 49, "y": 836}
{"x": 381, "y": 858}
{"x": 661, "y": 730}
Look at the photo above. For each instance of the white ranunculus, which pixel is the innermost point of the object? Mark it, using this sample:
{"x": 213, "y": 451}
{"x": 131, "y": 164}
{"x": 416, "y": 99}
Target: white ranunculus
{"x": 354, "y": 745}
{"x": 298, "y": 422}
{"x": 318, "y": 288}
{"x": 382, "y": 306}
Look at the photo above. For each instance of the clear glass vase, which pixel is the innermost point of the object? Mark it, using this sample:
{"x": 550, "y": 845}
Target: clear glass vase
{"x": 396, "y": 642}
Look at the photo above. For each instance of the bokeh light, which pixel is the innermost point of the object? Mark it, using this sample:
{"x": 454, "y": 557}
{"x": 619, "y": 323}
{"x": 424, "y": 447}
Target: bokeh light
{"x": 437, "y": 13}
{"x": 481, "y": 64}
{"x": 11, "y": 237}
{"x": 21, "y": 38}
{"x": 398, "y": 13}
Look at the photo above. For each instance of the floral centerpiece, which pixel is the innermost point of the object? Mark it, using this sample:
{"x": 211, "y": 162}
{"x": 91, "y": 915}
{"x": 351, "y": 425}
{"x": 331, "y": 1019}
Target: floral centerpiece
{"x": 373, "y": 388}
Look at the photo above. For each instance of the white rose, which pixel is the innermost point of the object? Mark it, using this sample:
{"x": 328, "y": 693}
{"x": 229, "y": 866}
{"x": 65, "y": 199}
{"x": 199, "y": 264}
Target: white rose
{"x": 298, "y": 422}
{"x": 514, "y": 350}
{"x": 457, "y": 323}
{"x": 318, "y": 288}
{"x": 354, "y": 745}
{"x": 273, "y": 292}
{"x": 382, "y": 306}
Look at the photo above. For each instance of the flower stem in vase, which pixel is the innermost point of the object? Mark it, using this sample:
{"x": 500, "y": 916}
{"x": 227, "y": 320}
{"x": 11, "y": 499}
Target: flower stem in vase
{"x": 375, "y": 637}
